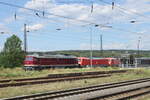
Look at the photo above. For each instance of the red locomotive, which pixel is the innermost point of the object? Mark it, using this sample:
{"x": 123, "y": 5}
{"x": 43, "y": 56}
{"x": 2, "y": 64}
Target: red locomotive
{"x": 60, "y": 61}
{"x": 41, "y": 62}
{"x": 83, "y": 61}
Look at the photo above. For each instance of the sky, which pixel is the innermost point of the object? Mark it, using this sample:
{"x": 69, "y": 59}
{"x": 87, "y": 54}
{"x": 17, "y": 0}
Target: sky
{"x": 70, "y": 24}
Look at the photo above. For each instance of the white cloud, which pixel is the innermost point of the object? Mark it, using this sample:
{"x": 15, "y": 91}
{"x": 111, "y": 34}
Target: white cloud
{"x": 35, "y": 27}
{"x": 76, "y": 11}
{"x": 37, "y": 4}
{"x": 101, "y": 13}
{"x": 139, "y": 6}
{"x": 136, "y": 10}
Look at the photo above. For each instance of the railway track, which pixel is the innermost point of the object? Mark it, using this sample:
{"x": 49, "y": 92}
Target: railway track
{"x": 111, "y": 91}
{"x": 57, "y": 78}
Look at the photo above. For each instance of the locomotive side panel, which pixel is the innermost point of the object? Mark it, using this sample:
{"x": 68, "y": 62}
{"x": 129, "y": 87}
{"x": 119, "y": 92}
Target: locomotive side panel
{"x": 100, "y": 62}
{"x": 32, "y": 62}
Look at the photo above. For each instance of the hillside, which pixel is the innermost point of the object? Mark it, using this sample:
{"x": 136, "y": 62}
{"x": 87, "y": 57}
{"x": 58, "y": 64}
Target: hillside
{"x": 96, "y": 53}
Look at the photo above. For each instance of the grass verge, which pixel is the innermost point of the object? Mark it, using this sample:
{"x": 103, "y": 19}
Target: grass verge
{"x": 7, "y": 73}
{"x": 31, "y": 89}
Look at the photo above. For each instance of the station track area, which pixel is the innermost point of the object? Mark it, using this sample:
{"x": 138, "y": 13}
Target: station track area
{"x": 57, "y": 78}
{"x": 111, "y": 91}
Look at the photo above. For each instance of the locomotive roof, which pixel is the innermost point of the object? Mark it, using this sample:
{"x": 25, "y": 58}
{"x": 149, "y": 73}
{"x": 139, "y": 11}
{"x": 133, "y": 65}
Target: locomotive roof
{"x": 53, "y": 56}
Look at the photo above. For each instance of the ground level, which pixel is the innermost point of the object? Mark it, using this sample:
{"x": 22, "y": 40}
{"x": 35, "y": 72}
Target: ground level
{"x": 31, "y": 89}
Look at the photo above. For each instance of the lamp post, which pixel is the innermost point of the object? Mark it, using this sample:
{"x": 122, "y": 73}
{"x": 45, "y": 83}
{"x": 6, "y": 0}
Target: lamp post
{"x": 139, "y": 39}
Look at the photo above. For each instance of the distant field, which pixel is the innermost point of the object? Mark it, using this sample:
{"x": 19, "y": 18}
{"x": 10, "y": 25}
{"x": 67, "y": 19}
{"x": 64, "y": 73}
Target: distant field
{"x": 20, "y": 73}
{"x": 31, "y": 89}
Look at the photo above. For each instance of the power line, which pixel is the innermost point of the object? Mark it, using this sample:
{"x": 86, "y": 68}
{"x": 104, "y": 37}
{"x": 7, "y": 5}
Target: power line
{"x": 84, "y": 21}
{"x": 51, "y": 20}
{"x": 35, "y": 10}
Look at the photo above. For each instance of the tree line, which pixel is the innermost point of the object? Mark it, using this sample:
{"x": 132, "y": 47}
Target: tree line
{"x": 12, "y": 54}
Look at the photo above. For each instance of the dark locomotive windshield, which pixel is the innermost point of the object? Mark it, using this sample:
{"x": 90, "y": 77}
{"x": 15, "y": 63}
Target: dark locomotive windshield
{"x": 29, "y": 58}
{"x": 79, "y": 59}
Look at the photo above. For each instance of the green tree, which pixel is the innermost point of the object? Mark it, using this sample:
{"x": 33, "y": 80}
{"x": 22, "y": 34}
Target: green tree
{"x": 12, "y": 54}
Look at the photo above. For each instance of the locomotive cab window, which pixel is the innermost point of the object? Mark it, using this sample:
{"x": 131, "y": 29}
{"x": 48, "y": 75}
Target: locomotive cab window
{"x": 29, "y": 58}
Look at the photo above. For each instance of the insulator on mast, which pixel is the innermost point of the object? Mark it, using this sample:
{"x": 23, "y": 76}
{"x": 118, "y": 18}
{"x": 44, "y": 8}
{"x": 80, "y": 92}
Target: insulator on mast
{"x": 113, "y": 4}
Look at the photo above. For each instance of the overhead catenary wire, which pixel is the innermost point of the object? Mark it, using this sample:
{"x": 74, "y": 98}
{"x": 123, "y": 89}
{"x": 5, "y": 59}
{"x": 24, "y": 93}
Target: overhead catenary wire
{"x": 49, "y": 20}
{"x": 102, "y": 26}
{"x": 48, "y": 13}
{"x": 65, "y": 17}
{"x": 35, "y": 10}
{"x": 126, "y": 12}
{"x": 44, "y": 17}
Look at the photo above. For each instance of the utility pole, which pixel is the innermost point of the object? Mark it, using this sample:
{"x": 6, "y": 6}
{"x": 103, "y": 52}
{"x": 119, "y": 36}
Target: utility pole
{"x": 101, "y": 44}
{"x": 91, "y": 49}
{"x": 25, "y": 38}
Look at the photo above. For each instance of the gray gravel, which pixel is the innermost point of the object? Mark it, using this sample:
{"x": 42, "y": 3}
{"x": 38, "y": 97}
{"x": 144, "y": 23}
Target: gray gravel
{"x": 94, "y": 94}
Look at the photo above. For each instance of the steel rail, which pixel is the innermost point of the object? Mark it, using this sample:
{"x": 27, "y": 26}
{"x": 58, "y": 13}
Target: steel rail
{"x": 57, "y": 78}
{"x": 11, "y": 84}
{"x": 65, "y": 75}
{"x": 76, "y": 91}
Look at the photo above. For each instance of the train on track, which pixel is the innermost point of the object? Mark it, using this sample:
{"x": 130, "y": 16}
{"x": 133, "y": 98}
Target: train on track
{"x": 61, "y": 61}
